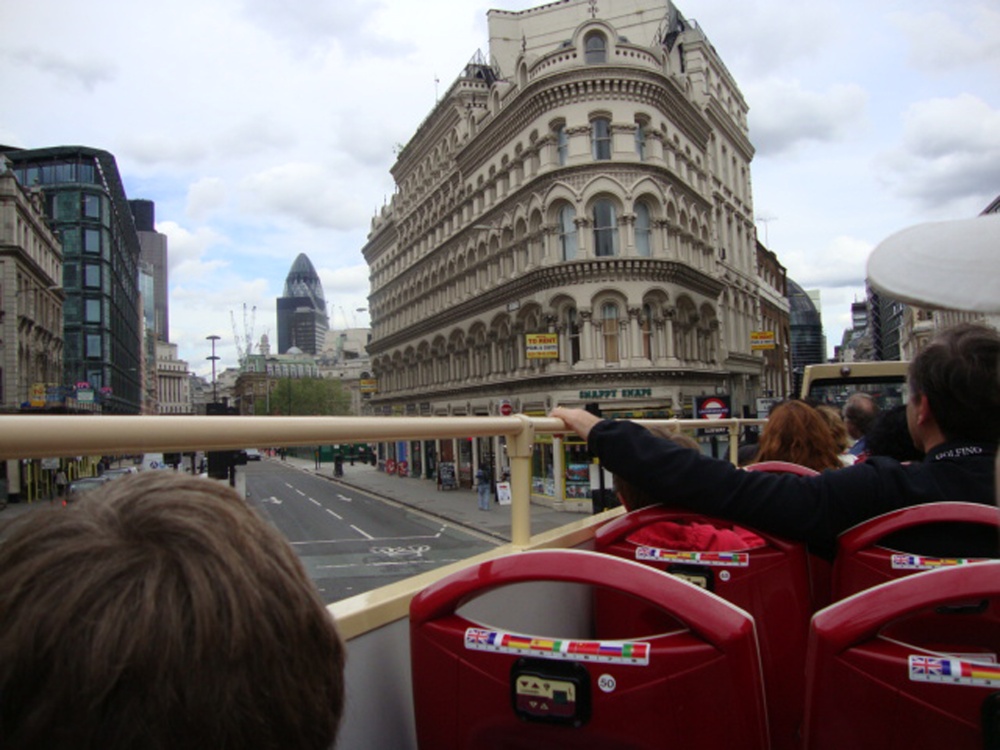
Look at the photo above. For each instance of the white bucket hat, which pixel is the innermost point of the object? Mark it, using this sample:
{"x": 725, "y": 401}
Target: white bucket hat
{"x": 952, "y": 265}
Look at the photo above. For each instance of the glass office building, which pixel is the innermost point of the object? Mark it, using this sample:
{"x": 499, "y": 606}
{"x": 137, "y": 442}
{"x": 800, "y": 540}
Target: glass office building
{"x": 86, "y": 204}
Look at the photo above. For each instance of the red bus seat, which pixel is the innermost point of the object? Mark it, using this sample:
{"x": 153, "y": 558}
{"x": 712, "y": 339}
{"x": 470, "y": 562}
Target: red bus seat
{"x": 908, "y": 664}
{"x": 820, "y": 569}
{"x": 865, "y": 556}
{"x": 770, "y": 582}
{"x": 782, "y": 467}
{"x": 475, "y": 686}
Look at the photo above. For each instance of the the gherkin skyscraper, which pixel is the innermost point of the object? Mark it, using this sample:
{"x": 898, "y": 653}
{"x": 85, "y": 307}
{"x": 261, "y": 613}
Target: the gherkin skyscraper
{"x": 302, "y": 318}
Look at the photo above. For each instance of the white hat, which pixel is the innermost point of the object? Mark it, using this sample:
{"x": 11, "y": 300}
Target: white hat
{"x": 954, "y": 265}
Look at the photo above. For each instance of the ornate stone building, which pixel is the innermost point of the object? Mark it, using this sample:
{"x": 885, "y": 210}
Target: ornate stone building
{"x": 31, "y": 298}
{"x": 573, "y": 223}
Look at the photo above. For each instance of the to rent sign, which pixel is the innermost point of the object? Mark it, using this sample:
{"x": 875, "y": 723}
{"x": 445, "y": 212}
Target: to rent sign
{"x": 761, "y": 340}
{"x": 542, "y": 345}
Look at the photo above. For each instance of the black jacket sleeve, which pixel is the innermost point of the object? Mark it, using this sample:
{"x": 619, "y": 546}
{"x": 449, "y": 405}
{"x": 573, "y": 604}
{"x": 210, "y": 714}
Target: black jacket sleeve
{"x": 809, "y": 509}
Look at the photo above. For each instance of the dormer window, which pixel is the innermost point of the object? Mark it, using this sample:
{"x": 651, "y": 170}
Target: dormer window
{"x": 595, "y": 48}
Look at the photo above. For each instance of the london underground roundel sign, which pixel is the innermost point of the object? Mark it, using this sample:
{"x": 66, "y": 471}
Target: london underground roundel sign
{"x": 714, "y": 408}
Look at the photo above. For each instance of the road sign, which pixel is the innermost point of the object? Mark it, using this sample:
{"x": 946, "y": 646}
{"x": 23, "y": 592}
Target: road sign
{"x": 505, "y": 408}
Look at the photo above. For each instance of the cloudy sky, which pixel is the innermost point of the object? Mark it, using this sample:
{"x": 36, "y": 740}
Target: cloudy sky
{"x": 263, "y": 129}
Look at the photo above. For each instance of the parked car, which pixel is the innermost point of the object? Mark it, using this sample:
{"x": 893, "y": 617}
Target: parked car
{"x": 252, "y": 454}
{"x": 116, "y": 472}
{"x": 84, "y": 484}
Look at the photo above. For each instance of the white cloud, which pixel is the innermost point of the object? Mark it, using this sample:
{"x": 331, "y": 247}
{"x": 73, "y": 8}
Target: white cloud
{"x": 966, "y": 35}
{"x": 187, "y": 251}
{"x": 840, "y": 263}
{"x": 152, "y": 147}
{"x": 784, "y": 114}
{"x": 306, "y": 192}
{"x": 70, "y": 71}
{"x": 205, "y": 197}
{"x": 950, "y": 152}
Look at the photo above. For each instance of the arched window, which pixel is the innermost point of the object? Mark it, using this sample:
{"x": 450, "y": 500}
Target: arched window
{"x": 605, "y": 229}
{"x": 562, "y": 144}
{"x": 600, "y": 138}
{"x": 573, "y": 332}
{"x": 609, "y": 326}
{"x": 567, "y": 232}
{"x": 647, "y": 331}
{"x": 595, "y": 48}
{"x": 643, "y": 231}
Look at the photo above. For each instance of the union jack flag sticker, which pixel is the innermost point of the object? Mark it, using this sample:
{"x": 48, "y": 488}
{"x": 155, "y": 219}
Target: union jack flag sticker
{"x": 926, "y": 665}
{"x": 477, "y": 635}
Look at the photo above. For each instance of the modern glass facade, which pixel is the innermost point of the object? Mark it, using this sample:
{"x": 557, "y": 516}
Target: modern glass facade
{"x": 86, "y": 203}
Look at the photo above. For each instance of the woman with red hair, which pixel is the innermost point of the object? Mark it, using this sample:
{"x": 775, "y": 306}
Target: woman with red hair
{"x": 796, "y": 432}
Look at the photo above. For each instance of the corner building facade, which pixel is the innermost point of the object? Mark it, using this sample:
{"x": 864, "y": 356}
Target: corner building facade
{"x": 573, "y": 224}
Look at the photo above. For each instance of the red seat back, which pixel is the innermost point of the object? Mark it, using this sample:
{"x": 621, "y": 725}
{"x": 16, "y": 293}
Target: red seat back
{"x": 782, "y": 467}
{"x": 862, "y": 562}
{"x": 476, "y": 686}
{"x": 908, "y": 664}
{"x": 819, "y": 568}
{"x": 770, "y": 582}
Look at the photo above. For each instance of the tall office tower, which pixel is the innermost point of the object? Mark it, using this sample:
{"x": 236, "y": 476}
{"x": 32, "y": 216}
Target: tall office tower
{"x": 806, "y": 329}
{"x": 302, "y": 318}
{"x": 153, "y": 246}
{"x": 87, "y": 206}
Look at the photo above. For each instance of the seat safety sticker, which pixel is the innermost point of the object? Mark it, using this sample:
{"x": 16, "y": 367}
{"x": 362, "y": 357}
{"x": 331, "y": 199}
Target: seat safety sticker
{"x": 722, "y": 559}
{"x": 917, "y": 562}
{"x": 635, "y": 653}
{"x": 953, "y": 671}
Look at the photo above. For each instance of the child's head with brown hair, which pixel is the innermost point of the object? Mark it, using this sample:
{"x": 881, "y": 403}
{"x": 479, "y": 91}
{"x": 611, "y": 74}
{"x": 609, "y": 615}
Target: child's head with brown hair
{"x": 160, "y": 611}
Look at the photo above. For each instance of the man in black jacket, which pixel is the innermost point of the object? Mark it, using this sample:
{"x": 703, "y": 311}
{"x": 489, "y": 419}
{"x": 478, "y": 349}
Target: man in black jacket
{"x": 953, "y": 415}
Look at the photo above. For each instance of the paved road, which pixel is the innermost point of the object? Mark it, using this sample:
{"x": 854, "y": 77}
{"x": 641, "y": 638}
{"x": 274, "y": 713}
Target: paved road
{"x": 368, "y": 529}
{"x": 350, "y": 540}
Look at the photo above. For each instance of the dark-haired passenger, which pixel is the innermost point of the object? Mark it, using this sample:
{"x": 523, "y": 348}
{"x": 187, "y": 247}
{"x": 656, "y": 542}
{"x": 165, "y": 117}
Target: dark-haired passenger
{"x": 954, "y": 418}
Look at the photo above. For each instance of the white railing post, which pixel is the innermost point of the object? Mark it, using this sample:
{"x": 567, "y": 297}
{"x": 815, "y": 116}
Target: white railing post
{"x": 519, "y": 448}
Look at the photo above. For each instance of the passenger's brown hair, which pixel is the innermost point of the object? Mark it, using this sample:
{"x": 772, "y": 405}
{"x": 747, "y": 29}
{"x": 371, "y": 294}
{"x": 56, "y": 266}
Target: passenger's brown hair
{"x": 157, "y": 612}
{"x": 798, "y": 433}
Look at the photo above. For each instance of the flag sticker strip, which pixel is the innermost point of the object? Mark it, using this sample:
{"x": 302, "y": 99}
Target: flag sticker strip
{"x": 635, "y": 653}
{"x": 722, "y": 559}
{"x": 953, "y": 671}
{"x": 917, "y": 562}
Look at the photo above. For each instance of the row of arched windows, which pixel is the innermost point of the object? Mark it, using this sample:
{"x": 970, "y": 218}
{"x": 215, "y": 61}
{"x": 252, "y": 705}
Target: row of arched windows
{"x": 607, "y": 334}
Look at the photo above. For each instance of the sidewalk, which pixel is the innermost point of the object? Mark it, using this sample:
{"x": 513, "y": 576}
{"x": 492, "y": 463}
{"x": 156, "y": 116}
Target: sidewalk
{"x": 459, "y": 506}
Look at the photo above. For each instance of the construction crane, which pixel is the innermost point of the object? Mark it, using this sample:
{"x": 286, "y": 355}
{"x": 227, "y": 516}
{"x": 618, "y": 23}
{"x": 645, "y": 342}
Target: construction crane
{"x": 244, "y": 344}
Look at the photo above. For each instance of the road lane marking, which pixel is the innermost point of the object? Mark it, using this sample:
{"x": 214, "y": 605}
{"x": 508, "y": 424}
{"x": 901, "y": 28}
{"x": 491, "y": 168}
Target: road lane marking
{"x": 300, "y": 492}
{"x": 339, "y": 518}
{"x": 314, "y": 501}
{"x": 345, "y": 498}
{"x": 365, "y": 534}
{"x": 424, "y": 561}
{"x": 371, "y": 538}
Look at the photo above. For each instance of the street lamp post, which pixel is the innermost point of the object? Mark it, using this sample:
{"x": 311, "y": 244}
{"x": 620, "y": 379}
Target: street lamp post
{"x": 215, "y": 394}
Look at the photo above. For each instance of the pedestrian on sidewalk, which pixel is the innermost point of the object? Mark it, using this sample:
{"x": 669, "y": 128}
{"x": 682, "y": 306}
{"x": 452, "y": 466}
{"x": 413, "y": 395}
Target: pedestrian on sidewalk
{"x": 61, "y": 483}
{"x": 483, "y": 488}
